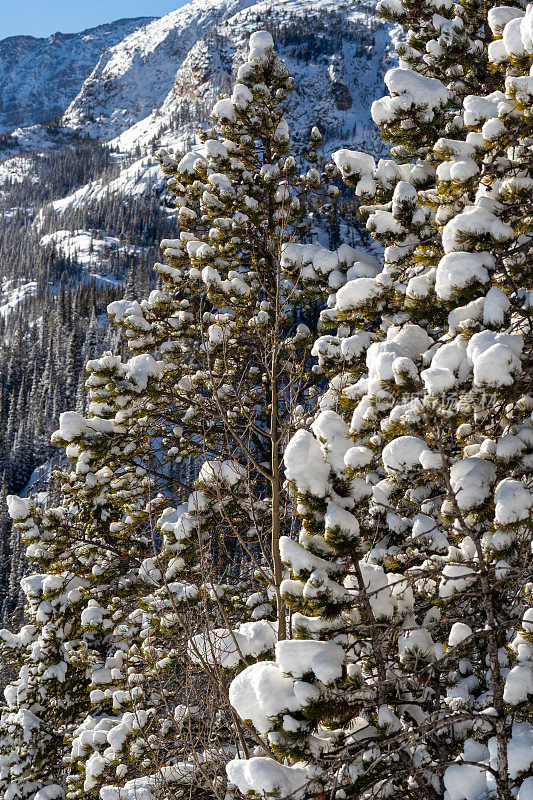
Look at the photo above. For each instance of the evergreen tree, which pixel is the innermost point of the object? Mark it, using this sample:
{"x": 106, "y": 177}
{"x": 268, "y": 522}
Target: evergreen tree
{"x": 411, "y": 598}
{"x": 228, "y": 322}
{"x": 92, "y": 343}
{"x": 74, "y": 363}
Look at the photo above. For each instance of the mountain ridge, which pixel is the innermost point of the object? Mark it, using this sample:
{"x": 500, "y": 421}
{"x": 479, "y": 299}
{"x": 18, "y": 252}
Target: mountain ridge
{"x": 156, "y": 86}
{"x": 59, "y": 62}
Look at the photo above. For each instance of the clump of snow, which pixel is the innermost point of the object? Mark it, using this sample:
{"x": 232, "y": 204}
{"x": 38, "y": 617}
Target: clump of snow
{"x": 526, "y": 790}
{"x": 71, "y": 425}
{"x": 358, "y": 293}
{"x": 404, "y": 196}
{"x": 187, "y": 163}
{"x": 261, "y": 692}
{"x": 227, "y": 648}
{"x": 412, "y": 338}
{"x": 17, "y": 507}
{"x": 51, "y": 792}
{"x": 388, "y": 7}
{"x": 495, "y": 306}
{"x": 241, "y": 97}
{"x": 521, "y": 88}
{"x": 509, "y": 446}
{"x": 331, "y": 431}
{"x": 354, "y": 346}
{"x": 471, "y": 480}
{"x": 475, "y": 221}
{"x": 305, "y": 465}
{"x": 466, "y": 781}
{"x": 455, "y": 578}
{"x": 450, "y": 355}
{"x": 481, "y": 109}
{"x": 94, "y": 767}
{"x": 301, "y": 560}
{"x": 383, "y": 223}
{"x": 513, "y": 501}
{"x": 426, "y": 528}
{"x": 495, "y": 357}
{"x": 437, "y": 380}
{"x": 519, "y": 683}
{"x": 142, "y": 367}
{"x": 215, "y": 472}
{"x": 92, "y": 615}
{"x": 415, "y": 639}
{"x": 458, "y": 270}
{"x": 267, "y": 778}
{"x": 313, "y": 258}
{"x": 471, "y": 311}
{"x": 388, "y": 593}
{"x": 459, "y": 632}
{"x": 500, "y": 16}
{"x": 260, "y": 45}
{"x": 403, "y": 453}
{"x": 459, "y": 170}
{"x": 298, "y": 658}
{"x": 409, "y": 89}
{"x": 353, "y": 163}
{"x": 519, "y": 749}
{"x": 224, "y": 111}
{"x": 338, "y": 518}
{"x": 358, "y": 457}
{"x": 512, "y": 38}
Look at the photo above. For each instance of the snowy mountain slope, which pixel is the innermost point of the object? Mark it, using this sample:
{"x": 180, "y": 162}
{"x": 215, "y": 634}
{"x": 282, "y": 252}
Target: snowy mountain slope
{"x": 136, "y": 179}
{"x": 40, "y": 77}
{"x": 15, "y": 170}
{"x": 205, "y": 71}
{"x": 91, "y": 252}
{"x": 134, "y": 76}
{"x": 12, "y": 293}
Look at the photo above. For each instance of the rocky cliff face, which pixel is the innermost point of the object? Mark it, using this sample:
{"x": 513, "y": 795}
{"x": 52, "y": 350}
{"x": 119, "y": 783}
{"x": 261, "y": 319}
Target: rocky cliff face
{"x": 134, "y": 76}
{"x": 164, "y": 76}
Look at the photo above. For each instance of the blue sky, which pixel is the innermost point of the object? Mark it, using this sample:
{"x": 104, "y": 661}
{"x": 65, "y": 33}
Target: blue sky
{"x": 43, "y": 17}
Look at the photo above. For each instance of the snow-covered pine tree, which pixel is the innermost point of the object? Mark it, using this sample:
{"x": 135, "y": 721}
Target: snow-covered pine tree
{"x": 411, "y": 670}
{"x": 89, "y": 549}
{"x": 446, "y": 42}
{"x": 233, "y": 323}
{"x": 32, "y": 722}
